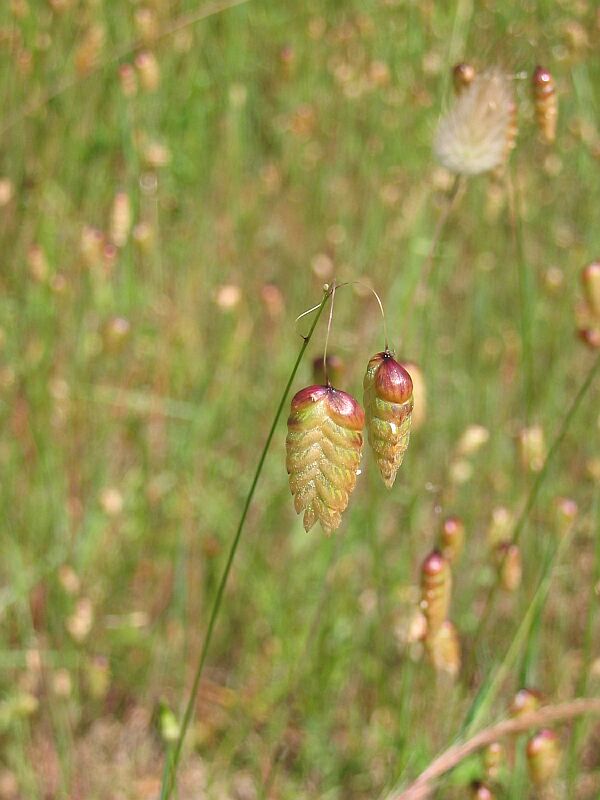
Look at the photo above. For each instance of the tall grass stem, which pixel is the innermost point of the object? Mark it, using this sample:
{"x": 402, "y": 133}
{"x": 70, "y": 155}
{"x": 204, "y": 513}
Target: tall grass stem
{"x": 173, "y": 758}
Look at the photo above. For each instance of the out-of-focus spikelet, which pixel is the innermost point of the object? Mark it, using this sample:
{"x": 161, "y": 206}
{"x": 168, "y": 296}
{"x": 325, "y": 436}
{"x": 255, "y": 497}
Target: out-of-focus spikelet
{"x": 546, "y": 103}
{"x": 463, "y": 75}
{"x": 526, "y": 701}
{"x": 479, "y": 791}
{"x": 543, "y": 756}
{"x": 493, "y": 757}
{"x": 388, "y": 401}
{"x": 510, "y": 569}
{"x": 88, "y": 52}
{"x": 324, "y": 447}
{"x": 436, "y": 585}
{"x": 590, "y": 278}
{"x": 452, "y": 538}
{"x": 120, "y": 219}
{"x": 443, "y": 648}
{"x": 477, "y": 132}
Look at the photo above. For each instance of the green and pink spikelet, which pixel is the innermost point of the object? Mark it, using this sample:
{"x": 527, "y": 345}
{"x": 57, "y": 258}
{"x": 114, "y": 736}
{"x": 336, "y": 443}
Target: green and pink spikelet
{"x": 324, "y": 448}
{"x": 388, "y": 400}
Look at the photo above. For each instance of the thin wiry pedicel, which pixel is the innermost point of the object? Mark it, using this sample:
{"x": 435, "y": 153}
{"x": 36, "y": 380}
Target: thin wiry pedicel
{"x": 478, "y": 132}
{"x": 324, "y": 448}
{"x": 388, "y": 401}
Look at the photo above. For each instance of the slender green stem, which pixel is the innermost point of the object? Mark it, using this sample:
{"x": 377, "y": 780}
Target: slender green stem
{"x": 539, "y": 481}
{"x": 172, "y": 762}
{"x": 525, "y": 297}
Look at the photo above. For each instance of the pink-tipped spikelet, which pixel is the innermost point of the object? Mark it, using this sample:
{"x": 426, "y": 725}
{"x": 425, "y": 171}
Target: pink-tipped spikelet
{"x": 463, "y": 75}
{"x": 590, "y": 278}
{"x": 388, "y": 400}
{"x": 526, "y": 701}
{"x": 436, "y": 584}
{"x": 478, "y": 132}
{"x": 546, "y": 103}
{"x": 510, "y": 570}
{"x": 452, "y": 538}
{"x": 324, "y": 447}
{"x": 543, "y": 756}
{"x": 479, "y": 791}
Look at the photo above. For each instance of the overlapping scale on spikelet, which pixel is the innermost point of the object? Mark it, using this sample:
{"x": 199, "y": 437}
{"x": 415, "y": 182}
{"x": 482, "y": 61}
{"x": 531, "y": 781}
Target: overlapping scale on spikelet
{"x": 388, "y": 400}
{"x": 324, "y": 447}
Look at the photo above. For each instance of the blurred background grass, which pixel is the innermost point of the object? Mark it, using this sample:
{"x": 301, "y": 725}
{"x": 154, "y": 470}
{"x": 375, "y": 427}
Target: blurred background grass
{"x": 283, "y": 144}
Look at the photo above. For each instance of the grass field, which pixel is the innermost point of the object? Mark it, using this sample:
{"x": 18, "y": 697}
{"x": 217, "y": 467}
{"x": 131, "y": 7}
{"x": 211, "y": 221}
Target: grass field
{"x": 254, "y": 153}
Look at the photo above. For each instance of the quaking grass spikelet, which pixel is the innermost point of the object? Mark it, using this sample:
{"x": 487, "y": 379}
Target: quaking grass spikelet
{"x": 546, "y": 103}
{"x": 452, "y": 538}
{"x": 543, "y": 757}
{"x": 443, "y": 648}
{"x": 324, "y": 448}
{"x": 388, "y": 400}
{"x": 493, "y": 757}
{"x": 479, "y": 791}
{"x": 590, "y": 278}
{"x": 436, "y": 584}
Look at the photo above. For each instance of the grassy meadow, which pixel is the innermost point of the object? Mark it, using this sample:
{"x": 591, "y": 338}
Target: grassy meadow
{"x": 177, "y": 182}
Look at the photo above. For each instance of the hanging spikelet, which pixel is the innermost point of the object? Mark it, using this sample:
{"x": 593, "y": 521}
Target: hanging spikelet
{"x": 546, "y": 103}
{"x": 324, "y": 447}
{"x": 463, "y": 75}
{"x": 543, "y": 756}
{"x": 388, "y": 400}
{"x": 436, "y": 584}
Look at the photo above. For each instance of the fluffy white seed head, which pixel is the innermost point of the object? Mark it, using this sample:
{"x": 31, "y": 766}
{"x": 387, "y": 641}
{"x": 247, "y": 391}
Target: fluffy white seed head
{"x": 473, "y": 137}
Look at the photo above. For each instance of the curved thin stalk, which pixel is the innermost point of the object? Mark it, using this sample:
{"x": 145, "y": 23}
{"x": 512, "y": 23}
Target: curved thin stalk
{"x": 172, "y": 762}
{"x": 423, "y": 786}
{"x": 537, "y": 484}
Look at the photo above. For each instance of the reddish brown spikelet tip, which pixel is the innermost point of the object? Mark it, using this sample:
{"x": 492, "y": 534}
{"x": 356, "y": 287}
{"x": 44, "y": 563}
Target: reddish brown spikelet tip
{"x": 590, "y": 336}
{"x": 543, "y": 756}
{"x": 479, "y": 791}
{"x": 590, "y": 278}
{"x": 434, "y": 564}
{"x": 392, "y": 382}
{"x": 463, "y": 75}
{"x": 526, "y": 701}
{"x": 452, "y": 538}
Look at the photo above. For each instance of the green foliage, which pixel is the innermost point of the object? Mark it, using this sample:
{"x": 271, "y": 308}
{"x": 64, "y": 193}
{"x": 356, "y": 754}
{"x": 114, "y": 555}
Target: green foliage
{"x": 295, "y": 142}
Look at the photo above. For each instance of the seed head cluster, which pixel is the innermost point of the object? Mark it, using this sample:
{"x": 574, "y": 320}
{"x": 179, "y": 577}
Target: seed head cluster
{"x": 473, "y": 136}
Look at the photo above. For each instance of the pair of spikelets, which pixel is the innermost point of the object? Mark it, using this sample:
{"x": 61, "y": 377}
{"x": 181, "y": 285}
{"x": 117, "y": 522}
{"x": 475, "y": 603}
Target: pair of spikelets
{"x": 325, "y": 439}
